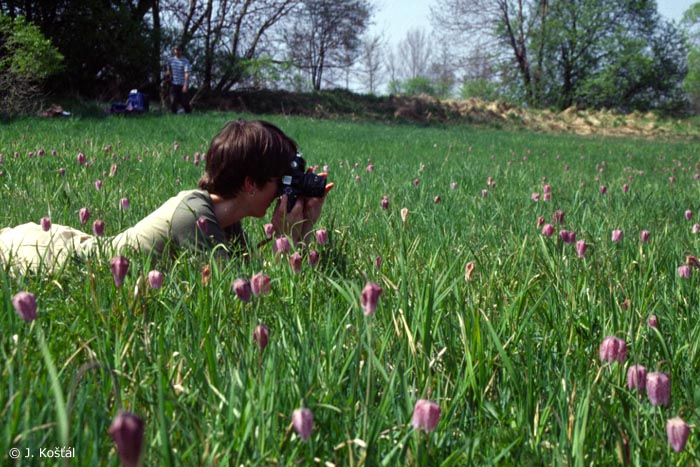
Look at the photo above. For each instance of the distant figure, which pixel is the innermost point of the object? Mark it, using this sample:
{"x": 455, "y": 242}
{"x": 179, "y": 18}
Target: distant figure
{"x": 178, "y": 75}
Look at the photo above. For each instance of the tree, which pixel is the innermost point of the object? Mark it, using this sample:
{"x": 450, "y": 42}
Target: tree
{"x": 415, "y": 52}
{"x": 371, "y": 61}
{"x": 441, "y": 73}
{"x": 325, "y": 34}
{"x": 576, "y": 52}
{"x": 514, "y": 30}
{"x": 26, "y": 58}
{"x": 223, "y": 38}
{"x": 612, "y": 54}
{"x": 691, "y": 83}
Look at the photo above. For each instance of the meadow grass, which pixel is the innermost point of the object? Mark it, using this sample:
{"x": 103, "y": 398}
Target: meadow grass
{"x": 510, "y": 356}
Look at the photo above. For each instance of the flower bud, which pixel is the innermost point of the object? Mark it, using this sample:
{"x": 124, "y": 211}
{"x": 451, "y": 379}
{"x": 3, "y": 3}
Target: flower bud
{"x": 124, "y": 204}
{"x": 469, "y": 271}
{"x": 616, "y": 236}
{"x": 155, "y": 279}
{"x": 644, "y": 236}
{"x": 260, "y": 284}
{"x": 637, "y": 377}
{"x": 119, "y": 266}
{"x": 567, "y": 236}
{"x": 613, "y": 349}
{"x": 581, "y": 247}
{"x": 242, "y": 289}
{"x": 281, "y": 245}
{"x": 548, "y": 230}
{"x": 321, "y": 236}
{"x": 688, "y": 214}
{"x": 295, "y": 260}
{"x": 370, "y": 296}
{"x": 126, "y": 431}
{"x": 653, "y": 321}
{"x": 677, "y": 431}
{"x": 269, "y": 230}
{"x": 45, "y": 223}
{"x": 303, "y": 422}
{"x": 261, "y": 335}
{"x": 385, "y": 203}
{"x": 25, "y": 305}
{"x": 98, "y": 227}
{"x": 312, "y": 258}
{"x": 426, "y": 415}
{"x": 84, "y": 215}
{"x": 404, "y": 214}
{"x": 203, "y": 225}
{"x": 558, "y": 217}
{"x": 684, "y": 271}
{"x": 658, "y": 388}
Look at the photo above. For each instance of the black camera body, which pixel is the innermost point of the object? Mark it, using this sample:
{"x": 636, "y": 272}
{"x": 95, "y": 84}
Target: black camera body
{"x": 301, "y": 183}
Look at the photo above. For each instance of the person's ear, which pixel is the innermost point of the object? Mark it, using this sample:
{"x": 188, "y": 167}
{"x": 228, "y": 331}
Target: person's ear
{"x": 249, "y": 186}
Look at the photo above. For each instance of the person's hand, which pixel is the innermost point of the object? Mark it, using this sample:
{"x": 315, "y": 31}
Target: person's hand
{"x": 290, "y": 222}
{"x": 314, "y": 206}
{"x": 299, "y": 221}
{"x": 184, "y": 88}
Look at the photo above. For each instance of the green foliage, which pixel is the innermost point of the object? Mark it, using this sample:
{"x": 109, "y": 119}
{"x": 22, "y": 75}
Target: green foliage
{"x": 479, "y": 88}
{"x": 26, "y": 59}
{"x": 587, "y": 53}
{"x": 25, "y": 52}
{"x": 419, "y": 85}
{"x": 691, "y": 83}
{"x": 643, "y": 74}
{"x": 395, "y": 86}
{"x": 636, "y": 61}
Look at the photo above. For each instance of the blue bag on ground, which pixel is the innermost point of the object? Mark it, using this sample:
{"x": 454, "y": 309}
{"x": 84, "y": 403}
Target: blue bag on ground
{"x": 137, "y": 102}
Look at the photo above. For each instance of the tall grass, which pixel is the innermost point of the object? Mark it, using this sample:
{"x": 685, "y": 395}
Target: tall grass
{"x": 511, "y": 356}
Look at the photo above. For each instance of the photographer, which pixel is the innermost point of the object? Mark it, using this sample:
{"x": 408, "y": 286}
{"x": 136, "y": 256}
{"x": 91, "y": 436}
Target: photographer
{"x": 249, "y": 164}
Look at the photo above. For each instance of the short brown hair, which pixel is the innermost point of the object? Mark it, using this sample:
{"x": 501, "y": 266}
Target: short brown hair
{"x": 255, "y": 149}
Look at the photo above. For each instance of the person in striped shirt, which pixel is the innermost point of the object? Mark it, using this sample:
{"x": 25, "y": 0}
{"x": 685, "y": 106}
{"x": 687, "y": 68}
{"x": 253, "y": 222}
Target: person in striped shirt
{"x": 179, "y": 70}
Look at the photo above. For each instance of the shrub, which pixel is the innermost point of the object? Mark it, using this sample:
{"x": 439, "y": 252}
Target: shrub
{"x": 26, "y": 59}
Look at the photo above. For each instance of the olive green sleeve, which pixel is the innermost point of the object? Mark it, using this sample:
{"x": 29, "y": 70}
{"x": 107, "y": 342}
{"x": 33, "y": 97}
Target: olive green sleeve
{"x": 194, "y": 225}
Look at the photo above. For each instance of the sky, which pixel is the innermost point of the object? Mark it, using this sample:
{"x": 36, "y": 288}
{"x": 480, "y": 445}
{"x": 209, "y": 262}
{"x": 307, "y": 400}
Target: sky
{"x": 395, "y": 17}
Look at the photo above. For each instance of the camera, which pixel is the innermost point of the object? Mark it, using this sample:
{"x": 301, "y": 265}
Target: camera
{"x": 300, "y": 183}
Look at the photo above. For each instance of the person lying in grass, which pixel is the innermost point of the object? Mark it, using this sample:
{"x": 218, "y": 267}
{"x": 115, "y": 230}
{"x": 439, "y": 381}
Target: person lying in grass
{"x": 245, "y": 165}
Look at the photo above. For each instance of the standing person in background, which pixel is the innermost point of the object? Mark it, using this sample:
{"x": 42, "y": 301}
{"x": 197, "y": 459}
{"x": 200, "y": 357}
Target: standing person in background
{"x": 178, "y": 74}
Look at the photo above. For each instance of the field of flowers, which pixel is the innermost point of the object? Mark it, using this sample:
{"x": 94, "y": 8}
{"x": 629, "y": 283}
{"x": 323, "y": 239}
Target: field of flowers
{"x": 480, "y": 298}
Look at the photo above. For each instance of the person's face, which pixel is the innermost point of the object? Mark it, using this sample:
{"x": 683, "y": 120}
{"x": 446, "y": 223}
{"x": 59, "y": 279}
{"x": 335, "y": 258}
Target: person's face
{"x": 264, "y": 197}
{"x": 177, "y": 52}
